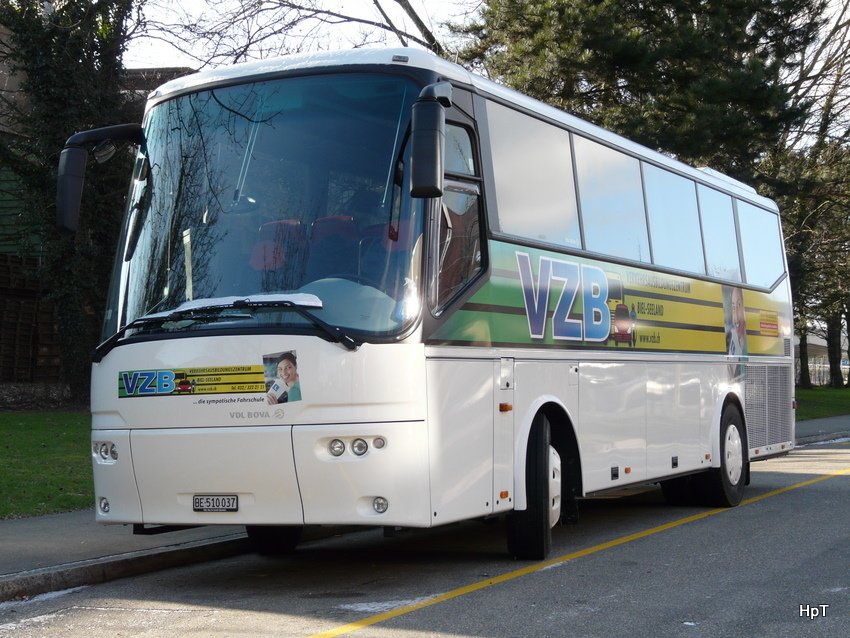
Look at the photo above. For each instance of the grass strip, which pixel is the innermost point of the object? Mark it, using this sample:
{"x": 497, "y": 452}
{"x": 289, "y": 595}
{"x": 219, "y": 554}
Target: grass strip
{"x": 45, "y": 463}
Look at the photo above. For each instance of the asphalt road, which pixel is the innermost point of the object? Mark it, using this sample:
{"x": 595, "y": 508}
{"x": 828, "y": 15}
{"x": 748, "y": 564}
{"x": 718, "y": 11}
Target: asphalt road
{"x": 778, "y": 565}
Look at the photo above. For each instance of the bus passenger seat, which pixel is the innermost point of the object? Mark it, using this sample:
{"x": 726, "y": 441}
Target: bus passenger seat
{"x": 373, "y": 252}
{"x": 382, "y": 253}
{"x": 280, "y": 245}
{"x": 333, "y": 247}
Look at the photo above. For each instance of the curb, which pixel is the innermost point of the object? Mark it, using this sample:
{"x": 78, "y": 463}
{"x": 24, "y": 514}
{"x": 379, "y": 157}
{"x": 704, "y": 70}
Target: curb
{"x": 821, "y": 438}
{"x": 93, "y": 571}
{"x": 24, "y": 585}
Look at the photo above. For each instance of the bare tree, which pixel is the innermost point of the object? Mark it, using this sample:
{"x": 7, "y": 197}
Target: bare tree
{"x": 236, "y": 30}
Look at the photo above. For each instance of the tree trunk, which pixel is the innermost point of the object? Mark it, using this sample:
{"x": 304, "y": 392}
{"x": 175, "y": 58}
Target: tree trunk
{"x": 805, "y": 379}
{"x": 847, "y": 323}
{"x": 833, "y": 350}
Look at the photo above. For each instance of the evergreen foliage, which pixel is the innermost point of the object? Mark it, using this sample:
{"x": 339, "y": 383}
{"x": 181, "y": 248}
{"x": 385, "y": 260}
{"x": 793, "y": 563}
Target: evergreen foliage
{"x": 67, "y": 58}
{"x": 698, "y": 79}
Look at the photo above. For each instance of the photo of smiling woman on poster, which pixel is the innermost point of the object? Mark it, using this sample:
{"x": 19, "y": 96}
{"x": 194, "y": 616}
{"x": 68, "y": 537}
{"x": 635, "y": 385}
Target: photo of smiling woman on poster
{"x": 286, "y": 386}
{"x": 735, "y": 320}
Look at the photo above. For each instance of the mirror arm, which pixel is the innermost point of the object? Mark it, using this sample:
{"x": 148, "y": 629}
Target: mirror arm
{"x": 124, "y": 132}
{"x": 72, "y": 168}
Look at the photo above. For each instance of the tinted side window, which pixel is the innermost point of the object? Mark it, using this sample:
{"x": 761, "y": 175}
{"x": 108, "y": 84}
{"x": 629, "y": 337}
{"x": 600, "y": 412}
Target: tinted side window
{"x": 533, "y": 174}
{"x": 718, "y": 229}
{"x": 761, "y": 242}
{"x": 459, "y": 241}
{"x": 611, "y": 196}
{"x": 458, "y": 151}
{"x": 671, "y": 202}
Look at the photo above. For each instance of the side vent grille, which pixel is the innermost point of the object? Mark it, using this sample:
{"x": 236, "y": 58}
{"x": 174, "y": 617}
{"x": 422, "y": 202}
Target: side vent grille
{"x": 767, "y": 391}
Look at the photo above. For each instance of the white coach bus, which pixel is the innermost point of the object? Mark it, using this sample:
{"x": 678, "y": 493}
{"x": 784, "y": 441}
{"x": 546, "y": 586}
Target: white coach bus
{"x": 372, "y": 288}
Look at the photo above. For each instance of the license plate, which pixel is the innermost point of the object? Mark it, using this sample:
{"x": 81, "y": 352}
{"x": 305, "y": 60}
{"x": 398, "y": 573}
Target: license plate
{"x": 215, "y": 503}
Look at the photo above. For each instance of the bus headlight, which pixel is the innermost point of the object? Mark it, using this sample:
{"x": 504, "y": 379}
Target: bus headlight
{"x": 336, "y": 447}
{"x": 105, "y": 451}
{"x": 359, "y": 447}
{"x": 380, "y": 504}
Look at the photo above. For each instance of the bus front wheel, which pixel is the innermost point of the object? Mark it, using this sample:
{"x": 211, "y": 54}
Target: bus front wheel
{"x": 724, "y": 486}
{"x": 271, "y": 540}
{"x": 529, "y": 531}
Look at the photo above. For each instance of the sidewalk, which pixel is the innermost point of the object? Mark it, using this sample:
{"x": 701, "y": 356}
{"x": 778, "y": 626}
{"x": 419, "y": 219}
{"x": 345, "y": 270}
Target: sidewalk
{"x": 60, "y": 551}
{"x": 51, "y": 553}
{"x": 827, "y": 429}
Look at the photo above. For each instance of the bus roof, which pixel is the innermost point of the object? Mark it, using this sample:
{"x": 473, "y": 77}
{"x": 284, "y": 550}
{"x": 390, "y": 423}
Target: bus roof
{"x": 418, "y": 58}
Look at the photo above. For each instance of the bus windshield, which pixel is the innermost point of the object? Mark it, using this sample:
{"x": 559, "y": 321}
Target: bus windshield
{"x": 293, "y": 187}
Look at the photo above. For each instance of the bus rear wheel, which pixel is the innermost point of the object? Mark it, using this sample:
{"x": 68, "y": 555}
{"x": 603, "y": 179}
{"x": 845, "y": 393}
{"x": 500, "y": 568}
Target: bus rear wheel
{"x": 724, "y": 486}
{"x": 274, "y": 540}
{"x": 529, "y": 531}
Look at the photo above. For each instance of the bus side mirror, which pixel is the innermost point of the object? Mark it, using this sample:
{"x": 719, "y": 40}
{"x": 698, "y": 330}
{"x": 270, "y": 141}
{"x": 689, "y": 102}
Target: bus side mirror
{"x": 72, "y": 168}
{"x": 428, "y": 133}
{"x": 69, "y": 187}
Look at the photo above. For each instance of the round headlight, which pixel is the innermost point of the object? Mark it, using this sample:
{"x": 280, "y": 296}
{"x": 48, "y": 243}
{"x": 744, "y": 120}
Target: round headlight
{"x": 359, "y": 447}
{"x": 104, "y": 451}
{"x": 113, "y": 452}
{"x": 379, "y": 442}
{"x": 104, "y": 505}
{"x": 336, "y": 447}
{"x": 380, "y": 504}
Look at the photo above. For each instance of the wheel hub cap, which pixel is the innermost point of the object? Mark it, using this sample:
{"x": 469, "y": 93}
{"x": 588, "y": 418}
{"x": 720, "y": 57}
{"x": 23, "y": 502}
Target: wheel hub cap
{"x": 734, "y": 455}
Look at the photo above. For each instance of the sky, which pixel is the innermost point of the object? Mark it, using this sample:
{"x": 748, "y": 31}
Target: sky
{"x": 148, "y": 53}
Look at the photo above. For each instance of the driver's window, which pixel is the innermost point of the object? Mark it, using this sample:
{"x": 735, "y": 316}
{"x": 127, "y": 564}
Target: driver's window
{"x": 457, "y": 255}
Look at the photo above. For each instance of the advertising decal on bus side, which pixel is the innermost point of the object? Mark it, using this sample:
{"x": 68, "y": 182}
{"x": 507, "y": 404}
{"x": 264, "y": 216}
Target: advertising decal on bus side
{"x": 538, "y": 298}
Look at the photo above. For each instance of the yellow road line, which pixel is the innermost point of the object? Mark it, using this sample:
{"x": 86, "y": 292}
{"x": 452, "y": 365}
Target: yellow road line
{"x": 525, "y": 571}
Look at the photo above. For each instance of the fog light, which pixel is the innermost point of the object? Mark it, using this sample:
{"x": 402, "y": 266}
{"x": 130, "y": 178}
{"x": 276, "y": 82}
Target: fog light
{"x": 113, "y": 452}
{"x": 380, "y": 504}
{"x": 379, "y": 443}
{"x": 104, "y": 451}
{"x": 336, "y": 447}
{"x": 104, "y": 504}
{"x": 359, "y": 447}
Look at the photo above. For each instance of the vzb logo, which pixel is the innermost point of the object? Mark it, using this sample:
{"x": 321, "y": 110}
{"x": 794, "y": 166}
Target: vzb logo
{"x": 140, "y": 383}
{"x": 574, "y": 280}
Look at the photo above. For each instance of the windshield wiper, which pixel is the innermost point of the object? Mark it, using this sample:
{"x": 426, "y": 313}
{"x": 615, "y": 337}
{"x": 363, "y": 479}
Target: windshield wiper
{"x": 194, "y": 316}
{"x": 335, "y": 333}
{"x": 106, "y": 346}
{"x": 215, "y": 312}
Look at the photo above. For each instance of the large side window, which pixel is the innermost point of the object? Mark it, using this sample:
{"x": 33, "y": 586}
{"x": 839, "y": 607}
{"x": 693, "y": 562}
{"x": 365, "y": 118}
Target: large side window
{"x": 671, "y": 202}
{"x": 533, "y": 174}
{"x": 718, "y": 229}
{"x": 761, "y": 243}
{"x": 456, "y": 251}
{"x": 611, "y": 196}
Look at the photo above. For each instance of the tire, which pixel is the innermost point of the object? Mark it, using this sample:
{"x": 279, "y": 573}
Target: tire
{"x": 724, "y": 486}
{"x": 274, "y": 540}
{"x": 529, "y": 531}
